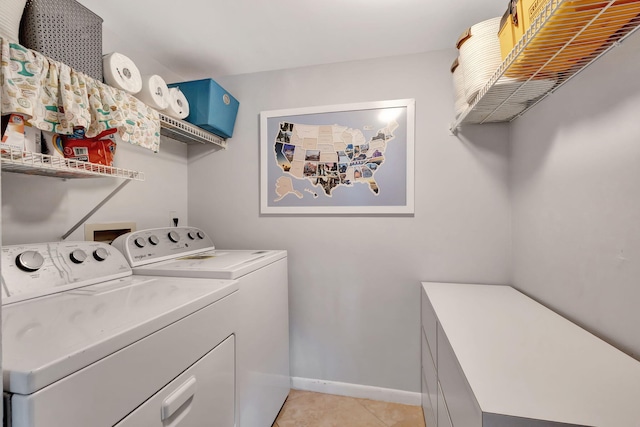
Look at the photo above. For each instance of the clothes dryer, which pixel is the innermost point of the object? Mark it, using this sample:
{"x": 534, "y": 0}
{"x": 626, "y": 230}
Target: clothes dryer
{"x": 263, "y": 314}
{"x": 86, "y": 343}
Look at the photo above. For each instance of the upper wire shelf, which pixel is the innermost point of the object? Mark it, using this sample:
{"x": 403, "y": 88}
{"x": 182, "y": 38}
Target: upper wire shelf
{"x": 26, "y": 162}
{"x": 563, "y": 40}
{"x": 189, "y": 134}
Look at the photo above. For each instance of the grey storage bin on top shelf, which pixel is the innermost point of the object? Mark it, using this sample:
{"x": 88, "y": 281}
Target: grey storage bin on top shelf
{"x": 66, "y": 31}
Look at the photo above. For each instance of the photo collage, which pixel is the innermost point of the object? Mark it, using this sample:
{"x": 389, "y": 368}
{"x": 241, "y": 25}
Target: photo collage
{"x": 330, "y": 156}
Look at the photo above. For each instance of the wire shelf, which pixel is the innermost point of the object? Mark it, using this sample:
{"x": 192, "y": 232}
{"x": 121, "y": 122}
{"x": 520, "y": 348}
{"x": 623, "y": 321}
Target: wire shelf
{"x": 26, "y": 162}
{"x": 561, "y": 42}
{"x": 188, "y": 133}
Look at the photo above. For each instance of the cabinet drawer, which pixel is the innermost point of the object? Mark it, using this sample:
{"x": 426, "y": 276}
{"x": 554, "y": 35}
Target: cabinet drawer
{"x": 429, "y": 372}
{"x": 444, "y": 419}
{"x": 429, "y": 324}
{"x": 428, "y": 409}
{"x": 462, "y": 405}
{"x": 203, "y": 395}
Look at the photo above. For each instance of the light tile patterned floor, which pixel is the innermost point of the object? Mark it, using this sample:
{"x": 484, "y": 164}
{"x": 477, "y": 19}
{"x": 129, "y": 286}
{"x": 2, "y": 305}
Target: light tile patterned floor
{"x": 308, "y": 409}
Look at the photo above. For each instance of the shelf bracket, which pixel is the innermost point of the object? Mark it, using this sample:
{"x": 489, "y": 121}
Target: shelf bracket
{"x": 95, "y": 209}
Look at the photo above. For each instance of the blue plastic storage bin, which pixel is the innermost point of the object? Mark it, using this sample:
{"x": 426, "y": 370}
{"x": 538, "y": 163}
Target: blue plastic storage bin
{"x": 210, "y": 106}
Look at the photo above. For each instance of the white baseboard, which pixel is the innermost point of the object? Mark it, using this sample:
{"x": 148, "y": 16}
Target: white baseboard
{"x": 358, "y": 391}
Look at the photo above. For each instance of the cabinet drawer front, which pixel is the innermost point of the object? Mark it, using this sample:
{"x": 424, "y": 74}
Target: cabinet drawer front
{"x": 444, "y": 419}
{"x": 463, "y": 407}
{"x": 429, "y": 372}
{"x": 428, "y": 409}
{"x": 429, "y": 323}
{"x": 201, "y": 396}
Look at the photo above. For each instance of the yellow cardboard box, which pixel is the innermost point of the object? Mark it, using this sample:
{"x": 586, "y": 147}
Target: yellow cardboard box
{"x": 567, "y": 27}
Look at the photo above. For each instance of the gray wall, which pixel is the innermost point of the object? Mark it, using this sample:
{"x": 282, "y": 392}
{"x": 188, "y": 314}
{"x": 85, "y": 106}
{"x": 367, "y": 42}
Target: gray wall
{"x": 39, "y": 209}
{"x": 576, "y": 210}
{"x": 354, "y": 300}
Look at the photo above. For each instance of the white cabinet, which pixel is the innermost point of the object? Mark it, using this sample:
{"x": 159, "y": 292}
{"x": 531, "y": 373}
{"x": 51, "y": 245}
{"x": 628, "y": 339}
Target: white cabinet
{"x": 444, "y": 418}
{"x": 428, "y": 410}
{"x": 460, "y": 401}
{"x": 503, "y": 359}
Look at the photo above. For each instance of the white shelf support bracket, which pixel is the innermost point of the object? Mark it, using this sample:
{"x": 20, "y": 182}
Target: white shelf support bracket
{"x": 94, "y": 210}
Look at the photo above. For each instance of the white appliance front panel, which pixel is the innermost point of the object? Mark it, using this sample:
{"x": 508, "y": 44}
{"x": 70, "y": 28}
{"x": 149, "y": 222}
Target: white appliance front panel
{"x": 202, "y": 396}
{"x": 105, "y": 392}
{"x": 50, "y": 337}
{"x": 228, "y": 264}
{"x": 158, "y": 244}
{"x": 263, "y": 333}
{"x": 263, "y": 344}
{"x": 58, "y": 266}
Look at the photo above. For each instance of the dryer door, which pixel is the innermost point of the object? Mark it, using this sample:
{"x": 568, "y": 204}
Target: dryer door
{"x": 202, "y": 396}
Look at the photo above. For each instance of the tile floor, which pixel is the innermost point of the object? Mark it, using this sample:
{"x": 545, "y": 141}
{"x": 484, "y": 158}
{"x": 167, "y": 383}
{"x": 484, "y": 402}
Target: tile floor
{"x": 308, "y": 409}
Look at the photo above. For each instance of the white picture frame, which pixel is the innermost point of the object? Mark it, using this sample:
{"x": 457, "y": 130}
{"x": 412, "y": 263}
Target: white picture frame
{"x": 350, "y": 159}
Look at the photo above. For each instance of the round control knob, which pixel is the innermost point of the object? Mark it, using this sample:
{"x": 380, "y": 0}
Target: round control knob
{"x": 191, "y": 235}
{"x": 153, "y": 239}
{"x": 100, "y": 254}
{"x": 140, "y": 242}
{"x": 200, "y": 235}
{"x": 174, "y": 236}
{"x": 78, "y": 256}
{"x": 29, "y": 261}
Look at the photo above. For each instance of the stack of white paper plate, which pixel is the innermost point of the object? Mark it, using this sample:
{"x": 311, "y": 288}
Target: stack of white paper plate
{"x": 480, "y": 56}
{"x": 460, "y": 104}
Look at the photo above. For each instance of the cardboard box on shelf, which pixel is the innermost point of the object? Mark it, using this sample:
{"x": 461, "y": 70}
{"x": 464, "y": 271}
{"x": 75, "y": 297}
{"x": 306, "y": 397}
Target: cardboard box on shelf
{"x": 12, "y": 135}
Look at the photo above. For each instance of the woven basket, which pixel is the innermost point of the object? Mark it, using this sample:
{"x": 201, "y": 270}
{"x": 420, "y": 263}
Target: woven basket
{"x": 66, "y": 31}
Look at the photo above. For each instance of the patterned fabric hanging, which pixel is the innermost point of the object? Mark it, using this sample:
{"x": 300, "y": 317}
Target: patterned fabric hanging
{"x": 54, "y": 97}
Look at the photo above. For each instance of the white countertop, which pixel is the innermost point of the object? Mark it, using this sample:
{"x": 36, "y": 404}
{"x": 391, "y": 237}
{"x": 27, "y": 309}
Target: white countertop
{"x": 522, "y": 359}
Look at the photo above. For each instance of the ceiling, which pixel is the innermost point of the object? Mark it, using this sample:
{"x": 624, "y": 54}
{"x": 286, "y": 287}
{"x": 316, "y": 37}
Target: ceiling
{"x": 213, "y": 38}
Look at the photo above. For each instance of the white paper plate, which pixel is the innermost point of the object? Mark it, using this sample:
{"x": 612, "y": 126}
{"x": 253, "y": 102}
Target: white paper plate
{"x": 480, "y": 56}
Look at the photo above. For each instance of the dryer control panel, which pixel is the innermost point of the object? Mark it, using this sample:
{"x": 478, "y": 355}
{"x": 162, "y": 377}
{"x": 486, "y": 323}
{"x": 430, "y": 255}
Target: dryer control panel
{"x": 33, "y": 270}
{"x": 159, "y": 244}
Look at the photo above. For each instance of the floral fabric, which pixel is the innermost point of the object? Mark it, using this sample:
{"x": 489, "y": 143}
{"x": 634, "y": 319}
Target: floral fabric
{"x": 54, "y": 97}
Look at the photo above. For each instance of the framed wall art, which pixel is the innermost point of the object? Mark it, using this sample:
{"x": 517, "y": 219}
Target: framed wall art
{"x": 338, "y": 159}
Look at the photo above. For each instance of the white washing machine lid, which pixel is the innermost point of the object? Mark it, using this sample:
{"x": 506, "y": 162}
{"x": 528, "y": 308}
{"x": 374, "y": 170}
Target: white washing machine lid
{"x": 220, "y": 264}
{"x": 48, "y": 338}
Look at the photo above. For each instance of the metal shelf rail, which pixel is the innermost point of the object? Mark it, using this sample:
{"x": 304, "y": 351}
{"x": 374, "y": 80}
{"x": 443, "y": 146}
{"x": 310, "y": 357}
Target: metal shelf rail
{"x": 43, "y": 164}
{"x": 189, "y": 134}
{"x": 563, "y": 40}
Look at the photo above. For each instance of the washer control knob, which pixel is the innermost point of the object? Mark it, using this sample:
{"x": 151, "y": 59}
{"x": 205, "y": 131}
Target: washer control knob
{"x": 78, "y": 256}
{"x": 200, "y": 235}
{"x": 174, "y": 236}
{"x": 140, "y": 242}
{"x": 191, "y": 235}
{"x": 29, "y": 261}
{"x": 153, "y": 239}
{"x": 100, "y": 254}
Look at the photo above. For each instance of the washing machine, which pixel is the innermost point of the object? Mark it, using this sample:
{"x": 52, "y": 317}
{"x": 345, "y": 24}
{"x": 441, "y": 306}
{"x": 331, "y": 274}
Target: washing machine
{"x": 263, "y": 329}
{"x": 87, "y": 343}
